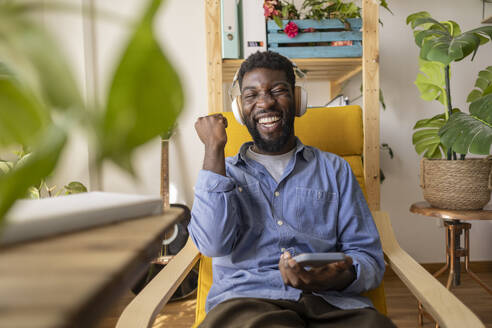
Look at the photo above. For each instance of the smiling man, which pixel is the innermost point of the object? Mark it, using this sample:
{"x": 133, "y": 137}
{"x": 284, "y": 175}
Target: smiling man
{"x": 275, "y": 199}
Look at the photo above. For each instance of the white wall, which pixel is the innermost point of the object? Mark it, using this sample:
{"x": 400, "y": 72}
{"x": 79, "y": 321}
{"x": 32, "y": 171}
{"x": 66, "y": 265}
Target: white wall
{"x": 181, "y": 30}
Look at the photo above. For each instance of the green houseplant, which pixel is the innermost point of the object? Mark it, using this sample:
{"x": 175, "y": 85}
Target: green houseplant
{"x": 451, "y": 183}
{"x": 40, "y": 101}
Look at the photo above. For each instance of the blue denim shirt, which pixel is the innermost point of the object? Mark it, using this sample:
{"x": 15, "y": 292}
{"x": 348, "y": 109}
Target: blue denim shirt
{"x": 245, "y": 220}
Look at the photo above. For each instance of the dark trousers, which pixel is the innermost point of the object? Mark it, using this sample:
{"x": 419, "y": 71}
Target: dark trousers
{"x": 310, "y": 311}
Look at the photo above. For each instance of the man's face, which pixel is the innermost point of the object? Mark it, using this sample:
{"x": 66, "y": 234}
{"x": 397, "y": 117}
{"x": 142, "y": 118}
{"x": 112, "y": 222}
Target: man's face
{"x": 268, "y": 110}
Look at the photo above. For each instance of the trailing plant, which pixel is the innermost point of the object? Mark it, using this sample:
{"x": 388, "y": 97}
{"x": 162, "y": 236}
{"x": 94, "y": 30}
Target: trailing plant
{"x": 321, "y": 9}
{"x": 314, "y": 9}
{"x": 40, "y": 101}
{"x": 440, "y": 43}
{"x": 40, "y": 189}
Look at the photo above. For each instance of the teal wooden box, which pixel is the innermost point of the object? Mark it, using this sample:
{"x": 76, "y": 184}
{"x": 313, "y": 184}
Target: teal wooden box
{"x": 315, "y": 44}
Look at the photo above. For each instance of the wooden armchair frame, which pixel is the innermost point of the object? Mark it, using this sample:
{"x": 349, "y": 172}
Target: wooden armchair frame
{"x": 446, "y": 308}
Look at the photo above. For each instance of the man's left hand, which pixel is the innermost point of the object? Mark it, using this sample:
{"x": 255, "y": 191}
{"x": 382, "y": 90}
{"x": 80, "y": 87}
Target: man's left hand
{"x": 333, "y": 276}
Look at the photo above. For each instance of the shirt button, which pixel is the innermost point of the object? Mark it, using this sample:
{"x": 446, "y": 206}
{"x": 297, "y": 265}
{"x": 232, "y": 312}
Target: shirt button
{"x": 277, "y": 194}
{"x": 240, "y": 189}
{"x": 280, "y": 222}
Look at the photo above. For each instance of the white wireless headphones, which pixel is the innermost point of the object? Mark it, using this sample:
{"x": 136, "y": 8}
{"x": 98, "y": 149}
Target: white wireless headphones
{"x": 300, "y": 96}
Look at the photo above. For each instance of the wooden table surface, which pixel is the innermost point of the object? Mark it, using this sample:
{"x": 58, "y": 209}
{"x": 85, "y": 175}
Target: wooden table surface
{"x": 424, "y": 208}
{"x": 72, "y": 279}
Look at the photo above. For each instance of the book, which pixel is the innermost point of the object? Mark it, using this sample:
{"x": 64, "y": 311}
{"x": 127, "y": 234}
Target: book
{"x": 31, "y": 219}
{"x": 253, "y": 26}
{"x": 230, "y": 29}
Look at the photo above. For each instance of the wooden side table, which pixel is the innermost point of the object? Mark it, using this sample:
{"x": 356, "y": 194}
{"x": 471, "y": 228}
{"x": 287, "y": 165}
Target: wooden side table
{"x": 454, "y": 250}
{"x": 70, "y": 280}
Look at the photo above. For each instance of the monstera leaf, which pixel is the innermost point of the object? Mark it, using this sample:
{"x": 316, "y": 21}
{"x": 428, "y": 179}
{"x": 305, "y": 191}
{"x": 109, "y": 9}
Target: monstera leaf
{"x": 430, "y": 81}
{"x": 426, "y": 140}
{"x": 483, "y": 83}
{"x": 470, "y": 132}
{"x": 443, "y": 41}
{"x": 31, "y": 54}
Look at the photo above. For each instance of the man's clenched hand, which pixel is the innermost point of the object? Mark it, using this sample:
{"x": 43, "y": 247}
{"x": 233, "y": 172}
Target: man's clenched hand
{"x": 333, "y": 276}
{"x": 211, "y": 131}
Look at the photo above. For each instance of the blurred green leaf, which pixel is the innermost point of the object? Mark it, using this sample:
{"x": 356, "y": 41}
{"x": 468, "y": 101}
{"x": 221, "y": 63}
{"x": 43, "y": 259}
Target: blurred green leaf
{"x": 5, "y": 167}
{"x": 145, "y": 97}
{"x": 22, "y": 117}
{"x": 75, "y": 187}
{"x": 34, "y": 58}
{"x": 40, "y": 163}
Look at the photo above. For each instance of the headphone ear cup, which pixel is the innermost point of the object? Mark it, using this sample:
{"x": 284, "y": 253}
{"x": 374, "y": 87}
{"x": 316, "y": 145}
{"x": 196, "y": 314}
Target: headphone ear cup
{"x": 300, "y": 95}
{"x": 237, "y": 110}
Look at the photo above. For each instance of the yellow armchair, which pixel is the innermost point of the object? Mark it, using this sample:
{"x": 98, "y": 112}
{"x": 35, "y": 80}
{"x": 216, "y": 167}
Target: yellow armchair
{"x": 338, "y": 130}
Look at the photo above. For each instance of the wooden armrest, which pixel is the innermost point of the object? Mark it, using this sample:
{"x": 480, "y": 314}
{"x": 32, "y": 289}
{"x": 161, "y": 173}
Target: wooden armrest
{"x": 444, "y": 307}
{"x": 143, "y": 309}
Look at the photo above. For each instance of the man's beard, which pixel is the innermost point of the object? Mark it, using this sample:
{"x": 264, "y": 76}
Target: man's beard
{"x": 273, "y": 146}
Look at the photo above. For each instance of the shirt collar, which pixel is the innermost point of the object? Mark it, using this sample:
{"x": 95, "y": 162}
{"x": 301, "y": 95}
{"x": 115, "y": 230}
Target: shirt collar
{"x": 306, "y": 152}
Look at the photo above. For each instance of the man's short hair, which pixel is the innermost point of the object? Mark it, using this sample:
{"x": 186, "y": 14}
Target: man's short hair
{"x": 267, "y": 59}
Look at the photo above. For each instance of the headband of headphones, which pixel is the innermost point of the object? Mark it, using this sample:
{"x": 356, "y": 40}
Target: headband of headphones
{"x": 300, "y": 96}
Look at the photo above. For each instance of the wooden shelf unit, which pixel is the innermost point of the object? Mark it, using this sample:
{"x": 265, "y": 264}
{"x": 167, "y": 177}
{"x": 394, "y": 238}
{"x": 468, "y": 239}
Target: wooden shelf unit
{"x": 335, "y": 70}
{"x": 332, "y": 69}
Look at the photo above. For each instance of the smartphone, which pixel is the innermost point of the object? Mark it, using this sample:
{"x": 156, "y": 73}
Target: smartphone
{"x": 318, "y": 259}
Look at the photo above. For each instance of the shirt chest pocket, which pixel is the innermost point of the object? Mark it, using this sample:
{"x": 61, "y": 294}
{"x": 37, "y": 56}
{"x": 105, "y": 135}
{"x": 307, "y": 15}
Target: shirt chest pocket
{"x": 249, "y": 203}
{"x": 316, "y": 211}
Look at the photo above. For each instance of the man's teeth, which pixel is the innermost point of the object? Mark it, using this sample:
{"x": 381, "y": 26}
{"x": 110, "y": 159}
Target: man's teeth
{"x": 267, "y": 120}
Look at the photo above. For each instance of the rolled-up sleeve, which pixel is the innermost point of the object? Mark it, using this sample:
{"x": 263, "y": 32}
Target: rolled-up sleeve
{"x": 214, "y": 219}
{"x": 357, "y": 234}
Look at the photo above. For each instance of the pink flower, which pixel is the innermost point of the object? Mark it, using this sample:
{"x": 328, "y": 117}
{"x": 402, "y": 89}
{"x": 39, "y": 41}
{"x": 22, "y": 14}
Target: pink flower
{"x": 291, "y": 29}
{"x": 268, "y": 10}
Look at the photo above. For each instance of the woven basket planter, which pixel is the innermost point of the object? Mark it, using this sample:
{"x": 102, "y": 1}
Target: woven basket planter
{"x": 456, "y": 185}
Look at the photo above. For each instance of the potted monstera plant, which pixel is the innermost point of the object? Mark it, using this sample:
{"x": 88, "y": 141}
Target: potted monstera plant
{"x": 455, "y": 182}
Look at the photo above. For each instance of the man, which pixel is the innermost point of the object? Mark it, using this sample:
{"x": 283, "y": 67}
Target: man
{"x": 275, "y": 199}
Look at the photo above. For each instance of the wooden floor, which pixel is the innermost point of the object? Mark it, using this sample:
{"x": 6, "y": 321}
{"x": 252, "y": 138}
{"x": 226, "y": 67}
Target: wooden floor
{"x": 402, "y": 306}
